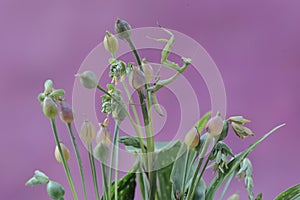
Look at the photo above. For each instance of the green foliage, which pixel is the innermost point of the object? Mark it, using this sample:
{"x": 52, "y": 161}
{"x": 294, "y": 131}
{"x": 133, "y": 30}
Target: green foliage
{"x": 233, "y": 166}
{"x": 292, "y": 193}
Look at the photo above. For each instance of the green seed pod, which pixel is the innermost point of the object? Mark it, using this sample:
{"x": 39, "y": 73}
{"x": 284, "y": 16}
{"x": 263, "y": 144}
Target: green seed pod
{"x": 48, "y": 86}
{"x": 66, "y": 113}
{"x": 41, "y": 177}
{"x": 123, "y": 29}
{"x": 192, "y": 138}
{"x": 215, "y": 126}
{"x": 88, "y": 79}
{"x": 41, "y": 97}
{"x": 110, "y": 42}
{"x": 87, "y": 132}
{"x": 102, "y": 152}
{"x": 57, "y": 93}
{"x": 49, "y": 108}
{"x": 55, "y": 190}
{"x": 65, "y": 151}
{"x": 136, "y": 78}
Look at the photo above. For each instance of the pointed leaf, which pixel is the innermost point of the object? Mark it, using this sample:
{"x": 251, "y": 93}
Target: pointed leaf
{"x": 292, "y": 193}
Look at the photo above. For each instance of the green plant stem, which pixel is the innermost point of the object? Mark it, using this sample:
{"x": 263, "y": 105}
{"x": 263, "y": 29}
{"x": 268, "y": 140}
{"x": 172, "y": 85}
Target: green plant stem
{"x": 202, "y": 154}
{"x": 115, "y": 150}
{"x": 185, "y": 172}
{"x": 93, "y": 168}
{"x": 198, "y": 179}
{"x": 105, "y": 181}
{"x": 147, "y": 124}
{"x": 66, "y": 167}
{"x": 226, "y": 186}
{"x": 78, "y": 158}
{"x": 137, "y": 119}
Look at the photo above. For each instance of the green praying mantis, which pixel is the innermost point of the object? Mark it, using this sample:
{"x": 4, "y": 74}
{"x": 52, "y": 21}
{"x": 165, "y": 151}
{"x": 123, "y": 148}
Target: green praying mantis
{"x": 165, "y": 62}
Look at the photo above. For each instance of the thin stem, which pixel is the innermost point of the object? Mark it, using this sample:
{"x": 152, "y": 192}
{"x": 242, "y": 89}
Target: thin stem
{"x": 137, "y": 119}
{"x": 93, "y": 168}
{"x": 105, "y": 181}
{"x": 185, "y": 172}
{"x": 66, "y": 167}
{"x": 202, "y": 172}
{"x": 78, "y": 158}
{"x": 147, "y": 124}
{"x": 115, "y": 157}
{"x": 226, "y": 186}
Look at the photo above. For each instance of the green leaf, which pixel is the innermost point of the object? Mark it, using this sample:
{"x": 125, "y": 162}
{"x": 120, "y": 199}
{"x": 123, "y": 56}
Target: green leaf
{"x": 292, "y": 193}
{"x": 200, "y": 191}
{"x": 259, "y": 197}
{"x": 202, "y": 122}
{"x": 178, "y": 169}
{"x": 131, "y": 141}
{"x": 126, "y": 187}
{"x": 234, "y": 165}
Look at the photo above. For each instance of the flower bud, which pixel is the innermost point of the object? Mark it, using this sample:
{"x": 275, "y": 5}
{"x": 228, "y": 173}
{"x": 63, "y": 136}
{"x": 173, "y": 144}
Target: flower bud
{"x": 215, "y": 126}
{"x": 101, "y": 152}
{"x": 88, "y": 79}
{"x": 235, "y": 196}
{"x": 192, "y": 138}
{"x": 87, "y": 132}
{"x": 136, "y": 78}
{"x": 241, "y": 131}
{"x": 65, "y": 152}
{"x": 48, "y": 86}
{"x": 66, "y": 113}
{"x": 148, "y": 71}
{"x": 123, "y": 29}
{"x": 55, "y": 190}
{"x": 110, "y": 42}
{"x": 106, "y": 122}
{"x": 49, "y": 108}
{"x": 103, "y": 136}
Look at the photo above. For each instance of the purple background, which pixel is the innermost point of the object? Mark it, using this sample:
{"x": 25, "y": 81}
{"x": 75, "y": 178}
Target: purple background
{"x": 254, "y": 43}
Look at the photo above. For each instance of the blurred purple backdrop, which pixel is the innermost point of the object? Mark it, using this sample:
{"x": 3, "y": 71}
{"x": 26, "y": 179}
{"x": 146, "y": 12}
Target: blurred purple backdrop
{"x": 256, "y": 45}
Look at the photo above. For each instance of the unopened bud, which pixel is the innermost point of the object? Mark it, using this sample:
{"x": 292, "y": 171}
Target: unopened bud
{"x": 136, "y": 78}
{"x": 235, "y": 196}
{"x": 65, "y": 152}
{"x": 110, "y": 42}
{"x": 103, "y": 136}
{"x": 148, "y": 71}
{"x": 48, "y": 86}
{"x": 106, "y": 122}
{"x": 49, "y": 108}
{"x": 101, "y": 152}
{"x": 241, "y": 131}
{"x": 88, "y": 79}
{"x": 192, "y": 138}
{"x": 66, "y": 113}
{"x": 215, "y": 126}
{"x": 55, "y": 190}
{"x": 123, "y": 29}
{"x": 87, "y": 132}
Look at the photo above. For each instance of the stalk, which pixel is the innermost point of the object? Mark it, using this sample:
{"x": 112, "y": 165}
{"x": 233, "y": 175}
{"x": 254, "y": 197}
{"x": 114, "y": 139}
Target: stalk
{"x": 185, "y": 172}
{"x": 105, "y": 181}
{"x": 115, "y": 150}
{"x": 147, "y": 124}
{"x": 78, "y": 158}
{"x": 93, "y": 168}
{"x": 66, "y": 167}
